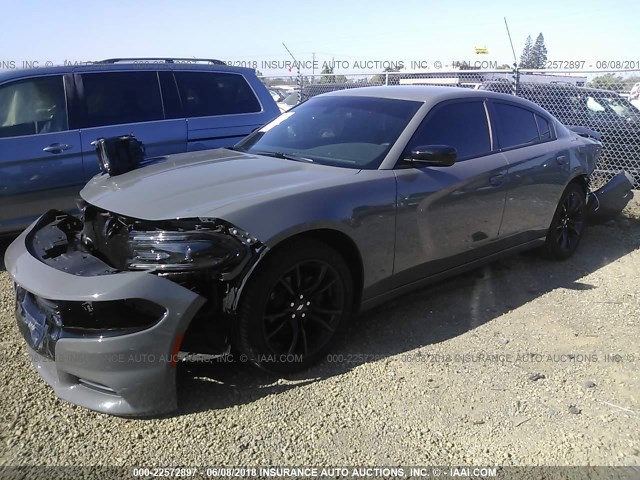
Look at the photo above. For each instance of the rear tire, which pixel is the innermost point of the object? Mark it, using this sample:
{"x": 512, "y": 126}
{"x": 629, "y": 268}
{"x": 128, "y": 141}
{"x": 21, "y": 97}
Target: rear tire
{"x": 294, "y": 307}
{"x": 568, "y": 224}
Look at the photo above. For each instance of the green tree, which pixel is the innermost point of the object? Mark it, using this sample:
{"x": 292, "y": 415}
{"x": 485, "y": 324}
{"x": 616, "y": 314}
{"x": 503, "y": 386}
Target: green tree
{"x": 262, "y": 78}
{"x": 527, "y": 51}
{"x": 539, "y": 53}
{"x": 381, "y": 78}
{"x": 327, "y": 74}
{"x": 534, "y": 55}
{"x": 608, "y": 81}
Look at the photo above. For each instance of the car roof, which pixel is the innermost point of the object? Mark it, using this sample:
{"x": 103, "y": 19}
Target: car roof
{"x": 119, "y": 67}
{"x": 428, "y": 94}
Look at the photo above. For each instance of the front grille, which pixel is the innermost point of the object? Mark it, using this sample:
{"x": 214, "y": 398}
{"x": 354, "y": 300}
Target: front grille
{"x": 43, "y": 322}
{"x": 39, "y": 322}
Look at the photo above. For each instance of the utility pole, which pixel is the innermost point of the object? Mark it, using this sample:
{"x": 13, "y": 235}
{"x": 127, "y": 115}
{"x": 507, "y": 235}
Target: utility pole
{"x": 516, "y": 72}
{"x": 299, "y": 82}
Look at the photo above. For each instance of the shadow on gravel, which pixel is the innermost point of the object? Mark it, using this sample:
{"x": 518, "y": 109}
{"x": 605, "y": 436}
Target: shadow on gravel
{"x": 4, "y": 244}
{"x": 425, "y": 317}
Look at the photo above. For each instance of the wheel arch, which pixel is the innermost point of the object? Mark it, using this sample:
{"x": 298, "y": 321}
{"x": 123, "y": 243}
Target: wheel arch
{"x": 582, "y": 180}
{"x": 339, "y": 241}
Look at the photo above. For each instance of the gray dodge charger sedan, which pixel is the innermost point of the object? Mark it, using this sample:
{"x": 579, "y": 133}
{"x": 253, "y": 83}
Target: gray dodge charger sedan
{"x": 348, "y": 199}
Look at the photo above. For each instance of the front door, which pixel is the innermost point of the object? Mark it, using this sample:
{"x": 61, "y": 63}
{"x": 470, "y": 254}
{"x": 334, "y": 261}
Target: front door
{"x": 448, "y": 216}
{"x": 40, "y": 158}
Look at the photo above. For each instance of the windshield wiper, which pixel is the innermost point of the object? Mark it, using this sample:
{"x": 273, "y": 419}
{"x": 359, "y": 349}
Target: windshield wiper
{"x": 285, "y": 156}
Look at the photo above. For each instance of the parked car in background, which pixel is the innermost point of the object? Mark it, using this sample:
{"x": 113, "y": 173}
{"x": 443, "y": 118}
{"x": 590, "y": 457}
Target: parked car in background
{"x": 605, "y": 111}
{"x": 50, "y": 116}
{"x": 276, "y": 93}
{"x": 634, "y": 96}
{"x": 349, "y": 199}
{"x": 285, "y": 99}
{"x": 291, "y": 100}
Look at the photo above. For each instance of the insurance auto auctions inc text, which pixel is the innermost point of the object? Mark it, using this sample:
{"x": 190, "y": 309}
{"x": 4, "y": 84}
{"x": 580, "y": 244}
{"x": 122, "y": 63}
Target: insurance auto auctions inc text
{"x": 351, "y": 472}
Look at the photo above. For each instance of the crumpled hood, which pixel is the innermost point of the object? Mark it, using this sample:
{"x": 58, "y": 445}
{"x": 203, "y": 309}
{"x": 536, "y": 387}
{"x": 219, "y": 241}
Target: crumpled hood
{"x": 209, "y": 183}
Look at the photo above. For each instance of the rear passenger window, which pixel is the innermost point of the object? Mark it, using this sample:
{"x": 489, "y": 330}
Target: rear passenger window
{"x": 516, "y": 126}
{"x": 121, "y": 97}
{"x": 459, "y": 125}
{"x": 33, "y": 106}
{"x": 205, "y": 94}
{"x": 544, "y": 130}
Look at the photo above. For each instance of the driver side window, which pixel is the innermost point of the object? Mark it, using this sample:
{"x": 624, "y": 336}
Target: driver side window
{"x": 33, "y": 106}
{"x": 461, "y": 125}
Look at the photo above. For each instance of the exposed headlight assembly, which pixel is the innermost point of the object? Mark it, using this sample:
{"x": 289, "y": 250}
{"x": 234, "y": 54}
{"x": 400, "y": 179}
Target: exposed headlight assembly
{"x": 183, "y": 250}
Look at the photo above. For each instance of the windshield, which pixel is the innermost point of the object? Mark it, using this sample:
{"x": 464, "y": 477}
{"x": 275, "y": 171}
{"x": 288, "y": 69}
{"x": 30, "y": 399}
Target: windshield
{"x": 352, "y": 132}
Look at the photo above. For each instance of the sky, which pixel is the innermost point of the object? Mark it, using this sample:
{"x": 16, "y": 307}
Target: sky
{"x": 355, "y": 34}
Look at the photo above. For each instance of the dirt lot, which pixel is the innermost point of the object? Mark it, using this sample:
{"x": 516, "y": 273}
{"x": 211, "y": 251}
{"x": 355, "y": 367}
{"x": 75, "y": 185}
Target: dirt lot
{"x": 524, "y": 362}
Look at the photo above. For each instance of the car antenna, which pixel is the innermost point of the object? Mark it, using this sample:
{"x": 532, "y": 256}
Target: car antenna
{"x": 516, "y": 72}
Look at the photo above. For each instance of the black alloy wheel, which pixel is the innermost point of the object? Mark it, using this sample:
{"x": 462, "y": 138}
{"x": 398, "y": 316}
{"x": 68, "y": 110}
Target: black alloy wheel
{"x": 568, "y": 224}
{"x": 304, "y": 309}
{"x": 294, "y": 307}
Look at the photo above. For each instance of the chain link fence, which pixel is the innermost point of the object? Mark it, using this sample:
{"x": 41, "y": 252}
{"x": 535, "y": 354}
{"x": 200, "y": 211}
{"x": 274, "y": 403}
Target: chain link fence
{"x": 606, "y": 102}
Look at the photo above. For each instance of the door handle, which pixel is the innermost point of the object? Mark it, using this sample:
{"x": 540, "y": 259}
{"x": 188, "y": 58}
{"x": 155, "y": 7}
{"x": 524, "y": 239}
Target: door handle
{"x": 56, "y": 148}
{"x": 496, "y": 180}
{"x": 561, "y": 159}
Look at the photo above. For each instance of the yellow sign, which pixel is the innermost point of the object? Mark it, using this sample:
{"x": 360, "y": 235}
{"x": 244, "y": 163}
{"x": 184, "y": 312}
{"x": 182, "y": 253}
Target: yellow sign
{"x": 480, "y": 50}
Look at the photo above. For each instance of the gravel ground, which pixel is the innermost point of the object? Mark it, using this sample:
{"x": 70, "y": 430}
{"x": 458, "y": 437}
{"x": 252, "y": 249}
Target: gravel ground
{"x": 524, "y": 362}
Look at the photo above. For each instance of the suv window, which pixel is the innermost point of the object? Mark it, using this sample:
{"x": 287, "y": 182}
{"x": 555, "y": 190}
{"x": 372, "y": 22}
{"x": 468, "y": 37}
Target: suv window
{"x": 204, "y": 94}
{"x": 462, "y": 125}
{"x": 33, "y": 106}
{"x": 516, "y": 126}
{"x": 121, "y": 97}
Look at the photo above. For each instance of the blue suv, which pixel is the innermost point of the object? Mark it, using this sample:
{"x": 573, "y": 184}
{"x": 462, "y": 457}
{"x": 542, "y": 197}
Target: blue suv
{"x": 49, "y": 118}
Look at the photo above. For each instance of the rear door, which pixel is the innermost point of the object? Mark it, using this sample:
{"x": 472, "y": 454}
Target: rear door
{"x": 40, "y": 157}
{"x": 221, "y": 108}
{"x": 448, "y": 216}
{"x": 122, "y": 103}
{"x": 538, "y": 170}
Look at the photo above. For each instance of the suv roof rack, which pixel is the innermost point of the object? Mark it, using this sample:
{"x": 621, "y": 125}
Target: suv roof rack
{"x": 212, "y": 61}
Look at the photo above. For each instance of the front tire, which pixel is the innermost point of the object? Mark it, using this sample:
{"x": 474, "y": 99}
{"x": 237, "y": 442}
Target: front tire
{"x": 294, "y": 307}
{"x": 568, "y": 224}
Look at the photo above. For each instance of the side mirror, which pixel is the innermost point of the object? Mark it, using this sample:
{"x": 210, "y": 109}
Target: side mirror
{"x": 434, "y": 155}
{"x": 118, "y": 155}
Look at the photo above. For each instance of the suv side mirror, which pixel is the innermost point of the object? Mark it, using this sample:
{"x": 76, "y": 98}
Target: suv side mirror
{"x": 434, "y": 155}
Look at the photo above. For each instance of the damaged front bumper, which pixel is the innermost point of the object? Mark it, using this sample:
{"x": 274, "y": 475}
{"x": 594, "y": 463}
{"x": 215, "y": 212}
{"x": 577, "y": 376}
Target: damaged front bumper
{"x": 62, "y": 306}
